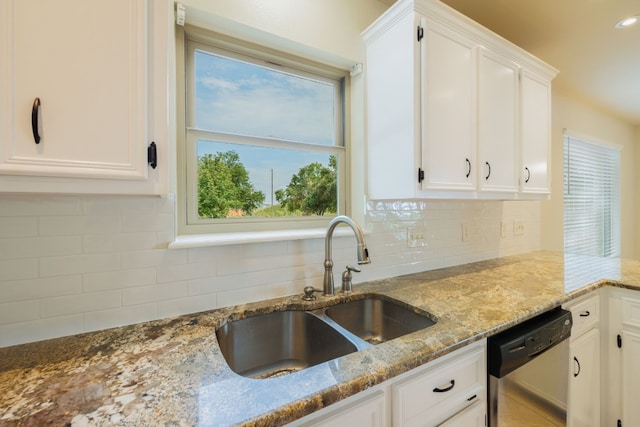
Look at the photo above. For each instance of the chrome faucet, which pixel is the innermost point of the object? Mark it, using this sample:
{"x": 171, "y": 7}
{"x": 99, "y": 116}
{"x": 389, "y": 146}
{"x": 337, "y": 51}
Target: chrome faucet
{"x": 362, "y": 251}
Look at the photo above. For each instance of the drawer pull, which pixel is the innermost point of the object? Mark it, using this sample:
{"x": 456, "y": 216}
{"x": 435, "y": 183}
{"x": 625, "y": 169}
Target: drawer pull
{"x": 472, "y": 397}
{"x": 585, "y": 313}
{"x": 444, "y": 390}
{"x": 575, "y": 374}
{"x": 36, "y": 120}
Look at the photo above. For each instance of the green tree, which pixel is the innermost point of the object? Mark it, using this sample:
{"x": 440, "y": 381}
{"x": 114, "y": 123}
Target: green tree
{"x": 312, "y": 190}
{"x": 224, "y": 186}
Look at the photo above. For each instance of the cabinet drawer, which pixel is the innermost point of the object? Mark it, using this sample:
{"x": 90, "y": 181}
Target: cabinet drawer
{"x": 631, "y": 312}
{"x": 585, "y": 313}
{"x": 431, "y": 396}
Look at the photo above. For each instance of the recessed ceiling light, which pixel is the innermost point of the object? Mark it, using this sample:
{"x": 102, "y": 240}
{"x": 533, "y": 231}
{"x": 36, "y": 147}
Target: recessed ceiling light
{"x": 627, "y": 22}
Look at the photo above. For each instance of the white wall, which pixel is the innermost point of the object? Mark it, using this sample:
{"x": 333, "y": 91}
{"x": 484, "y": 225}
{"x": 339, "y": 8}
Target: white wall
{"x": 569, "y": 113}
{"x": 71, "y": 264}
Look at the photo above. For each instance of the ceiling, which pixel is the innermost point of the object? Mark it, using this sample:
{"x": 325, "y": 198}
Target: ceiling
{"x": 598, "y": 63}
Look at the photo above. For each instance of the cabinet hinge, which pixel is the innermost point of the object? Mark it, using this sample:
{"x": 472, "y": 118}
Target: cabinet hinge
{"x": 152, "y": 155}
{"x": 420, "y": 175}
{"x": 420, "y": 32}
{"x": 619, "y": 340}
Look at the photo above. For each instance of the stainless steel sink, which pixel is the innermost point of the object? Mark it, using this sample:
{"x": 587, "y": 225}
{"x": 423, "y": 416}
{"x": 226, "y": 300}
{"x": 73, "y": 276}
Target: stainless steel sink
{"x": 279, "y": 343}
{"x": 377, "y": 320}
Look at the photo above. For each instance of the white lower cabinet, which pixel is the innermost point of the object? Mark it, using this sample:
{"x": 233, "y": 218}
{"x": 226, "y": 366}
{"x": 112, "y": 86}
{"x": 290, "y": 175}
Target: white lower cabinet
{"x": 621, "y": 376}
{"x": 449, "y": 391}
{"x": 583, "y": 400}
{"x": 584, "y": 381}
{"x": 630, "y": 377}
{"x": 433, "y": 395}
{"x": 472, "y": 416}
{"x": 369, "y": 411}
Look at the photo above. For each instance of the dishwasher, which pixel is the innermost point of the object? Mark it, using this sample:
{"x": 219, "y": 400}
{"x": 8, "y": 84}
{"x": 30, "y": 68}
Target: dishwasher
{"x": 528, "y": 369}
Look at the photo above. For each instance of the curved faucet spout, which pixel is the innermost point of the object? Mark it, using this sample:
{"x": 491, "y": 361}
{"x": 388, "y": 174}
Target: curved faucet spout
{"x": 362, "y": 251}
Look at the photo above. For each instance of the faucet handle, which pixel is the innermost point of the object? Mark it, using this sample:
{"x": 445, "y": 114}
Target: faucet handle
{"x": 346, "y": 278}
{"x": 308, "y": 293}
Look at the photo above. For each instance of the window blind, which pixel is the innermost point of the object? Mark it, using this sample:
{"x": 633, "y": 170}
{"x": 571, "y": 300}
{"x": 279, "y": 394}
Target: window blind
{"x": 591, "y": 198}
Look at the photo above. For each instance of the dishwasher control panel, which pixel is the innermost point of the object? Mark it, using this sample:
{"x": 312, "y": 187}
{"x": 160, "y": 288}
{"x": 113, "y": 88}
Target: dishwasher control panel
{"x": 510, "y": 349}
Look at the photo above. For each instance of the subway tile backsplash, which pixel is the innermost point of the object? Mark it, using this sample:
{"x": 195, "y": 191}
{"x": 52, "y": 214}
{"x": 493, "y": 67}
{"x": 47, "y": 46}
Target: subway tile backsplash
{"x": 72, "y": 264}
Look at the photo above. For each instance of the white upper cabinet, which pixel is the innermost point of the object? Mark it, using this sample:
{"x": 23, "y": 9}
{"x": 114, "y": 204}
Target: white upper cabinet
{"x": 535, "y": 123}
{"x": 452, "y": 111}
{"x": 448, "y": 102}
{"x": 498, "y": 161}
{"x": 99, "y": 72}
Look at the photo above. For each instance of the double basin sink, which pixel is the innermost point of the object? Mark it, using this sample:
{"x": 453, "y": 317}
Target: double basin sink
{"x": 278, "y": 343}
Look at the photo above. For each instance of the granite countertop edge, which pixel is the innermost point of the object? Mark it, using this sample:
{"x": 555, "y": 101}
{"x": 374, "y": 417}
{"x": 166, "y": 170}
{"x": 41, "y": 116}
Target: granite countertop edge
{"x": 171, "y": 371}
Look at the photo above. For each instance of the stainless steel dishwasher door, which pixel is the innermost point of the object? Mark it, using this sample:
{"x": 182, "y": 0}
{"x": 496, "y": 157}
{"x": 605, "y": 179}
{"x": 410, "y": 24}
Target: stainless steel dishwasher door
{"x": 528, "y": 372}
{"x": 535, "y": 394}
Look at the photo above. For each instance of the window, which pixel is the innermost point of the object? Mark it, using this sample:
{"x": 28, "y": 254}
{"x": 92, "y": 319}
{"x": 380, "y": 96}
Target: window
{"x": 263, "y": 139}
{"x": 591, "y": 198}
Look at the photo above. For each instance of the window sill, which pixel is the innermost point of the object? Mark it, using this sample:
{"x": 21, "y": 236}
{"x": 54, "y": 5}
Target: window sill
{"x": 225, "y": 239}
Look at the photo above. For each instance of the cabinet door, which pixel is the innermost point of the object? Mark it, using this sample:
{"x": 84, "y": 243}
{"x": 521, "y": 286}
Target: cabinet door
{"x": 432, "y": 396}
{"x": 535, "y": 133}
{"x": 473, "y": 416}
{"x": 584, "y": 381}
{"x": 368, "y": 412}
{"x": 498, "y": 163}
{"x": 448, "y": 105}
{"x": 87, "y": 63}
{"x": 630, "y": 378}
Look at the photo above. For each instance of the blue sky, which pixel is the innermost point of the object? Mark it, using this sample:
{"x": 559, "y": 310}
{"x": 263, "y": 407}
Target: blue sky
{"x": 237, "y": 97}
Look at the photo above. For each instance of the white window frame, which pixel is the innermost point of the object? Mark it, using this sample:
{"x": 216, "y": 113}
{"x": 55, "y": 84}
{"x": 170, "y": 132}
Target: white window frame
{"x": 187, "y": 221}
{"x": 594, "y": 159}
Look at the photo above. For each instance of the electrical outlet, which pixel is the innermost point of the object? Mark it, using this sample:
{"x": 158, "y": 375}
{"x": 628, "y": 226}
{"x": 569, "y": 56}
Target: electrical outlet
{"x": 416, "y": 237}
{"x": 518, "y": 228}
{"x": 465, "y": 232}
{"x": 504, "y": 229}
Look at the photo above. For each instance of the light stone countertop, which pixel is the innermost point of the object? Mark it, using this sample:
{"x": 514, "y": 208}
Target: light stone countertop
{"x": 171, "y": 371}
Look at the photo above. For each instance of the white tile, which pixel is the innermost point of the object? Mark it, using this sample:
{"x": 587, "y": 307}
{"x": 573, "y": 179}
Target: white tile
{"x": 176, "y": 273}
{"x": 17, "y": 269}
{"x": 118, "y": 279}
{"x": 20, "y": 333}
{"x": 20, "y": 311}
{"x": 104, "y": 319}
{"x": 154, "y": 293}
{"x": 74, "y": 225}
{"x": 81, "y": 303}
{"x": 210, "y": 254}
{"x": 17, "y": 290}
{"x": 164, "y": 238}
{"x": 27, "y": 247}
{"x": 77, "y": 264}
{"x": 241, "y": 296}
{"x": 18, "y": 226}
{"x": 210, "y": 285}
{"x": 166, "y": 205}
{"x": 107, "y": 205}
{"x": 118, "y": 242}
{"x": 271, "y": 257}
{"x": 31, "y": 205}
{"x": 153, "y": 258}
{"x": 186, "y": 305}
{"x": 154, "y": 222}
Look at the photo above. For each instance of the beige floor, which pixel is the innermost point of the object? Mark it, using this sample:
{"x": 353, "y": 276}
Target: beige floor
{"x": 517, "y": 410}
